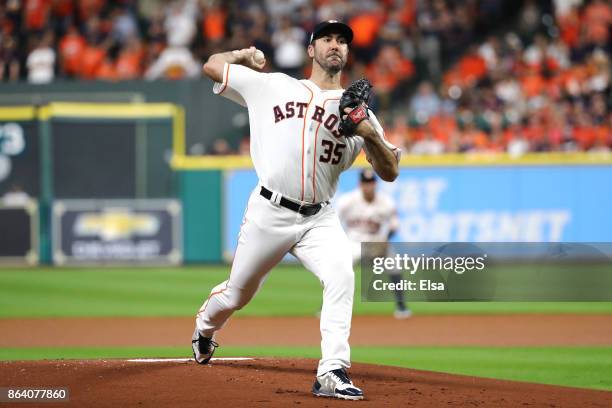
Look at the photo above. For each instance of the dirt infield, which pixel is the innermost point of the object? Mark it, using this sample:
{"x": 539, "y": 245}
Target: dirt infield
{"x": 276, "y": 383}
{"x": 472, "y": 330}
{"x": 284, "y": 382}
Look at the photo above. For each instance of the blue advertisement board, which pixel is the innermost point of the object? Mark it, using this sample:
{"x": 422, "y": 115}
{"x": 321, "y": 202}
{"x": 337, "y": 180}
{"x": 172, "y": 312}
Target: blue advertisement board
{"x": 476, "y": 204}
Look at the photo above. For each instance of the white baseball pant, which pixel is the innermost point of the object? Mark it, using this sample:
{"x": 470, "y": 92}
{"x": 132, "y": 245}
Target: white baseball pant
{"x": 270, "y": 231}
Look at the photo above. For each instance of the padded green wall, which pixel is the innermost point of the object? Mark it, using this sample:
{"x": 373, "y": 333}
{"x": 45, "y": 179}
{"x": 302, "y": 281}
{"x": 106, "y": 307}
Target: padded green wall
{"x": 201, "y": 192}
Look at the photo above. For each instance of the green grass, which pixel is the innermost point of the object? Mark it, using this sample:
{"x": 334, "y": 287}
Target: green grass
{"x": 289, "y": 291}
{"x": 586, "y": 367}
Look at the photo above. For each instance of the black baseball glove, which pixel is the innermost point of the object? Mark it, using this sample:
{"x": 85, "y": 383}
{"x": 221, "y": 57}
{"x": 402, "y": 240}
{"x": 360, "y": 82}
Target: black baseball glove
{"x": 356, "y": 98}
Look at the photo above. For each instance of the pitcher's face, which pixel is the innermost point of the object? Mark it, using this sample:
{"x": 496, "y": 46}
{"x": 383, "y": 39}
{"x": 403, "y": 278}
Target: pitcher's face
{"x": 330, "y": 51}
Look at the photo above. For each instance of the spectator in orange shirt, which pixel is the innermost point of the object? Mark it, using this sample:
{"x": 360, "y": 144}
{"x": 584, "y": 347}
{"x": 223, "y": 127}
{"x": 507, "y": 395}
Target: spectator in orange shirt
{"x": 443, "y": 125}
{"x": 532, "y": 83}
{"x": 603, "y": 138}
{"x": 129, "y": 62}
{"x": 36, "y": 15}
{"x": 471, "y": 67}
{"x": 387, "y": 71}
{"x": 71, "y": 47}
{"x": 407, "y": 12}
{"x": 213, "y": 23}
{"x": 92, "y": 58}
{"x": 597, "y": 21}
{"x": 106, "y": 70}
{"x": 569, "y": 25}
{"x": 365, "y": 26}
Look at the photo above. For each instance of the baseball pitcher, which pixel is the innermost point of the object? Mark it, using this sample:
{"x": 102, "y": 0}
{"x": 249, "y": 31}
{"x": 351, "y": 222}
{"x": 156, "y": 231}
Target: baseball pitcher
{"x": 304, "y": 133}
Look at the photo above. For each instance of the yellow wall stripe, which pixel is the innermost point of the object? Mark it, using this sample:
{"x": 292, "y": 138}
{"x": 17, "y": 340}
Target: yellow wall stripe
{"x": 17, "y": 112}
{"x": 178, "y": 131}
{"x": 108, "y": 110}
{"x": 122, "y": 111}
{"x": 181, "y": 162}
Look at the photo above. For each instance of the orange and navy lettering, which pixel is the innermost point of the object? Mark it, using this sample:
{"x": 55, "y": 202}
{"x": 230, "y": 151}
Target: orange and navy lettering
{"x": 288, "y": 111}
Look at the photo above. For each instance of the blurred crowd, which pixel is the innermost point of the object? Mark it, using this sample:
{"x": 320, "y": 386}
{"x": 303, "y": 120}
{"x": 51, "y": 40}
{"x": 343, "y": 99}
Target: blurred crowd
{"x": 544, "y": 85}
{"x": 449, "y": 75}
{"x": 124, "y": 39}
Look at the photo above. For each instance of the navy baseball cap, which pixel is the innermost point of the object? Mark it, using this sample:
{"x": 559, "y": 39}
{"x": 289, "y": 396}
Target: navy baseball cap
{"x": 331, "y": 26}
{"x": 367, "y": 176}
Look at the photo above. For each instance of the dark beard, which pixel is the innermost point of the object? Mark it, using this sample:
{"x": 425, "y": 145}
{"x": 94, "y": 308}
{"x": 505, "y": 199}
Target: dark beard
{"x": 328, "y": 68}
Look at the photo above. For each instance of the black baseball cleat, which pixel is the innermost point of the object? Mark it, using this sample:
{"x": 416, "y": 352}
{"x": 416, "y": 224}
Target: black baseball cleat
{"x": 336, "y": 384}
{"x": 203, "y": 347}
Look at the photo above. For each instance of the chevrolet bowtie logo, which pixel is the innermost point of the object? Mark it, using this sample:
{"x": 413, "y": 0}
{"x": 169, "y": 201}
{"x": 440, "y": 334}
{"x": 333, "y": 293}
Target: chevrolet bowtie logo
{"x": 112, "y": 225}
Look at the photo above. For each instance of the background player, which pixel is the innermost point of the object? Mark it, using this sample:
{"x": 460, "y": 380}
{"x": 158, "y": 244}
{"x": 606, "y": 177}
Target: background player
{"x": 298, "y": 153}
{"x": 371, "y": 216}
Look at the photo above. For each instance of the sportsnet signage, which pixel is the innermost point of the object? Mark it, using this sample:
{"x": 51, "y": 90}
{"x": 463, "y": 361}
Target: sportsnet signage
{"x": 503, "y": 204}
{"x": 117, "y": 231}
{"x": 526, "y": 203}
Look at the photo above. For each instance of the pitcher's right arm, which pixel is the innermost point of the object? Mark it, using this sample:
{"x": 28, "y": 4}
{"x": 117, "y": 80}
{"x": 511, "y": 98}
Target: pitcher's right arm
{"x": 213, "y": 68}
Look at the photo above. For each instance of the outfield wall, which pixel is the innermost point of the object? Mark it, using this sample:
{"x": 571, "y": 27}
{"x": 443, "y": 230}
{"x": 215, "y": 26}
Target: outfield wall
{"x": 139, "y": 151}
{"x": 520, "y": 203}
{"x": 476, "y": 203}
{"x": 134, "y": 150}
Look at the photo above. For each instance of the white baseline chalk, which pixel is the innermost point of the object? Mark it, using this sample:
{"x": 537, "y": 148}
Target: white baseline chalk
{"x": 182, "y": 360}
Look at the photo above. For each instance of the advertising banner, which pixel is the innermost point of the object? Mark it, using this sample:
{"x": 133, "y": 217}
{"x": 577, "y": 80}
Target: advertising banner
{"x": 93, "y": 232}
{"x": 531, "y": 203}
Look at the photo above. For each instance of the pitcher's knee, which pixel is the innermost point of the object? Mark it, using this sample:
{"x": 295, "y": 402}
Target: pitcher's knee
{"x": 230, "y": 297}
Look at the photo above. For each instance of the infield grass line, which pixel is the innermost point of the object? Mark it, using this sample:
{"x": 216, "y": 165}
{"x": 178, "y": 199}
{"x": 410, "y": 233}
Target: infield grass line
{"x": 290, "y": 290}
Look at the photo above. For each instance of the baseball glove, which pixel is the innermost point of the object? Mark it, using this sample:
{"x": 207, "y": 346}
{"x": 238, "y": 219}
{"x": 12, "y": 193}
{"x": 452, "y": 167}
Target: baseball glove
{"x": 356, "y": 98}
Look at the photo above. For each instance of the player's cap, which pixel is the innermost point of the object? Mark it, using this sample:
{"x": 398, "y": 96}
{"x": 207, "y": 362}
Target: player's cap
{"x": 331, "y": 26}
{"x": 367, "y": 176}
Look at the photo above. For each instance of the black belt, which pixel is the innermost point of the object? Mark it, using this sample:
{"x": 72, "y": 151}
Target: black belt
{"x": 307, "y": 209}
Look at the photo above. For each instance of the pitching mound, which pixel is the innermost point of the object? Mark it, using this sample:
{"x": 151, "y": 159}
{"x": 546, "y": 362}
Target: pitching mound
{"x": 276, "y": 383}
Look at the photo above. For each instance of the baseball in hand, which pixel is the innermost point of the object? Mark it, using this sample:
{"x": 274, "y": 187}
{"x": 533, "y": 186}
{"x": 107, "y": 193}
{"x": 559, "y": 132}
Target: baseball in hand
{"x": 259, "y": 57}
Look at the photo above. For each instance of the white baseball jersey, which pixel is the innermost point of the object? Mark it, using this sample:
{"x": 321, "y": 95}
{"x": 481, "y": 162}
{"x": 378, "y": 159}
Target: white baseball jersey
{"x": 367, "y": 221}
{"x": 296, "y": 148}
